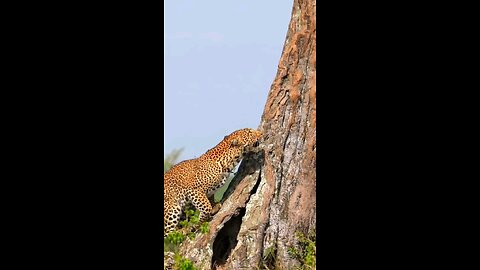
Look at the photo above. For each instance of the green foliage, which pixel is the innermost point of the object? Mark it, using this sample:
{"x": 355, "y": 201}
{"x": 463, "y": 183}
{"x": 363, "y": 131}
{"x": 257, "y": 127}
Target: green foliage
{"x": 204, "y": 228}
{"x": 171, "y": 159}
{"x": 307, "y": 251}
{"x": 183, "y": 263}
{"x": 188, "y": 228}
{"x": 192, "y": 218}
{"x": 192, "y": 222}
{"x": 269, "y": 258}
{"x": 191, "y": 235}
{"x": 175, "y": 237}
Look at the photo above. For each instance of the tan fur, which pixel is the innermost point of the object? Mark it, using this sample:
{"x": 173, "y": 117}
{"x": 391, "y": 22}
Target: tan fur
{"x": 197, "y": 179}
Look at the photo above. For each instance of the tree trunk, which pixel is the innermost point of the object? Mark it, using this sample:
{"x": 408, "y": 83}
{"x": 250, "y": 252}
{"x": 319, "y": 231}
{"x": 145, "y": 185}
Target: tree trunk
{"x": 273, "y": 194}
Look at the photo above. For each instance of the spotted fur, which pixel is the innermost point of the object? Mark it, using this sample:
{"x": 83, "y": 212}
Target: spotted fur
{"x": 196, "y": 180}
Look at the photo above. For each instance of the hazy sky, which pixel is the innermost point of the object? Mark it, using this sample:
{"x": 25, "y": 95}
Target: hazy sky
{"x": 220, "y": 60}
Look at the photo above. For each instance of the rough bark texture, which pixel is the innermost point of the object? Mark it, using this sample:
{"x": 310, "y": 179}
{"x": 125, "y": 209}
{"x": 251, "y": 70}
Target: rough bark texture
{"x": 273, "y": 194}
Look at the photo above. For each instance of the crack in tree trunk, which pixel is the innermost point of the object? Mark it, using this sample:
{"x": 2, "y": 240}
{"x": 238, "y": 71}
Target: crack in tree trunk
{"x": 226, "y": 239}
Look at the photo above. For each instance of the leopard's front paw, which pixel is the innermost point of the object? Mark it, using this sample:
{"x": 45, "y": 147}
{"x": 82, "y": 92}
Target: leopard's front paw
{"x": 216, "y": 208}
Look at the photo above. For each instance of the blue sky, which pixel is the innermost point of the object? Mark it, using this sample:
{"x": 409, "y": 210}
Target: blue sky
{"x": 220, "y": 60}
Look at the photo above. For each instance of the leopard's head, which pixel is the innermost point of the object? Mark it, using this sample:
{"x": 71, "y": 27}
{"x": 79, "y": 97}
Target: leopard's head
{"x": 246, "y": 139}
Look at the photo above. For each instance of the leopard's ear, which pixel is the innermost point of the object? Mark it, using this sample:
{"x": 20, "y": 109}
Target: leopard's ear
{"x": 235, "y": 142}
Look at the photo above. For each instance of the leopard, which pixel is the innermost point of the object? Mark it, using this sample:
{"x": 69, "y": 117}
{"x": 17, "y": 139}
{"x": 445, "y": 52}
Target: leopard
{"x": 196, "y": 180}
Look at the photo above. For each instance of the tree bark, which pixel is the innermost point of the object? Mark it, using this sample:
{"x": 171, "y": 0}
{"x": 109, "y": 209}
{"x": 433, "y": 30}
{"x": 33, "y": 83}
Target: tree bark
{"x": 273, "y": 194}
